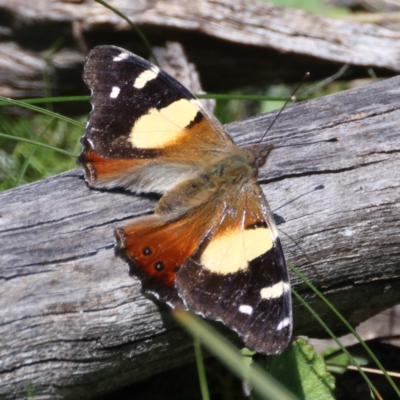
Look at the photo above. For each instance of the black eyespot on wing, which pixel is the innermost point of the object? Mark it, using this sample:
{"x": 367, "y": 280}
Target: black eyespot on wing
{"x": 159, "y": 266}
{"x": 146, "y": 251}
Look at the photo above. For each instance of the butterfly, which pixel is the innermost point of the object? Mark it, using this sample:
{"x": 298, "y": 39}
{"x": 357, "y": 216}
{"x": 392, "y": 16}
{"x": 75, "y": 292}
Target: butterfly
{"x": 211, "y": 244}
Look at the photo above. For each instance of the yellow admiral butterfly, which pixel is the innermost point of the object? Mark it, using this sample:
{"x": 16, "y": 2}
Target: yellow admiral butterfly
{"x": 211, "y": 244}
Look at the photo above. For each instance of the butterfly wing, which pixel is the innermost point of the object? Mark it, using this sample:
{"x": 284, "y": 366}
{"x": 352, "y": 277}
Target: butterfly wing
{"x": 146, "y": 131}
{"x": 223, "y": 259}
{"x": 238, "y": 273}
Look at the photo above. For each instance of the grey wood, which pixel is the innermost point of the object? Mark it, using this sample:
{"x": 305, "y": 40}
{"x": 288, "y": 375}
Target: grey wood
{"x": 73, "y": 324}
{"x": 232, "y": 42}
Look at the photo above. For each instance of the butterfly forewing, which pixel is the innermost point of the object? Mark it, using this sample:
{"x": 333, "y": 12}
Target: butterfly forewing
{"x": 143, "y": 117}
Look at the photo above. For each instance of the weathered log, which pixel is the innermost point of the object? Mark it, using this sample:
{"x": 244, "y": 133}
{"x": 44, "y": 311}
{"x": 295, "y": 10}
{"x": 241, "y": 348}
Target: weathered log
{"x": 233, "y": 43}
{"x": 73, "y": 323}
{"x": 384, "y": 327}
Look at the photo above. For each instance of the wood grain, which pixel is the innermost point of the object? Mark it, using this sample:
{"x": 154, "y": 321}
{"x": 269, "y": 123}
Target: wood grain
{"x": 232, "y": 42}
{"x": 73, "y": 324}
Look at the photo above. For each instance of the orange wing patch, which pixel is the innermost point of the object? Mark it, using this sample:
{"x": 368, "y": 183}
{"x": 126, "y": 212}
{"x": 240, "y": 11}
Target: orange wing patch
{"x": 102, "y": 169}
{"x": 157, "y": 249}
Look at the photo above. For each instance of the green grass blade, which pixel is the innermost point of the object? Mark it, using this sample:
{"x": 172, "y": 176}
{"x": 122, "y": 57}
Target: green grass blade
{"x": 44, "y": 100}
{"x": 46, "y": 71}
{"x": 260, "y": 381}
{"x": 254, "y": 97}
{"x": 133, "y": 25}
{"x": 201, "y": 370}
{"x": 344, "y": 321}
{"x": 216, "y": 96}
{"x": 20, "y": 139}
{"x": 42, "y": 111}
{"x": 28, "y": 159}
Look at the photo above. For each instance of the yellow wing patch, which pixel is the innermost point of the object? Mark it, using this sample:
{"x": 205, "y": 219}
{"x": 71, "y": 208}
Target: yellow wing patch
{"x": 160, "y": 128}
{"x": 232, "y": 252}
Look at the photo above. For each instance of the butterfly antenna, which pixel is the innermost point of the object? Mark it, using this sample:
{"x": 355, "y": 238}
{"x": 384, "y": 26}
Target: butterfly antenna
{"x": 264, "y": 153}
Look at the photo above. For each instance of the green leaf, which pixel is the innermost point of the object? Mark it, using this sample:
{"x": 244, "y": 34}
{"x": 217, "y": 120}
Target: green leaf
{"x": 336, "y": 360}
{"x": 266, "y": 386}
{"x": 303, "y": 372}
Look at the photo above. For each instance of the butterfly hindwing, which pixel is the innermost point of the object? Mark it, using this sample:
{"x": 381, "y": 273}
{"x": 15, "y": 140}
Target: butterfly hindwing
{"x": 158, "y": 245}
{"x": 222, "y": 259}
{"x": 238, "y": 273}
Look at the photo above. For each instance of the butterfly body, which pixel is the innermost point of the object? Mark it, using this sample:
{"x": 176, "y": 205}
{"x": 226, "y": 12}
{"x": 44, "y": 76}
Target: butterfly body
{"x": 190, "y": 193}
{"x": 211, "y": 244}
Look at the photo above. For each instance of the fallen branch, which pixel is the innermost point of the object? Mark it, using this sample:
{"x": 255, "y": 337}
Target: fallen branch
{"x": 232, "y": 42}
{"x": 73, "y": 324}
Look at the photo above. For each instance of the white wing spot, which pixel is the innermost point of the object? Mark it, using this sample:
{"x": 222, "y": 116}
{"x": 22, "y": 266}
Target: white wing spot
{"x": 283, "y": 324}
{"x": 272, "y": 292}
{"x": 246, "y": 309}
{"x": 144, "y": 77}
{"x": 121, "y": 56}
{"x": 115, "y": 92}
